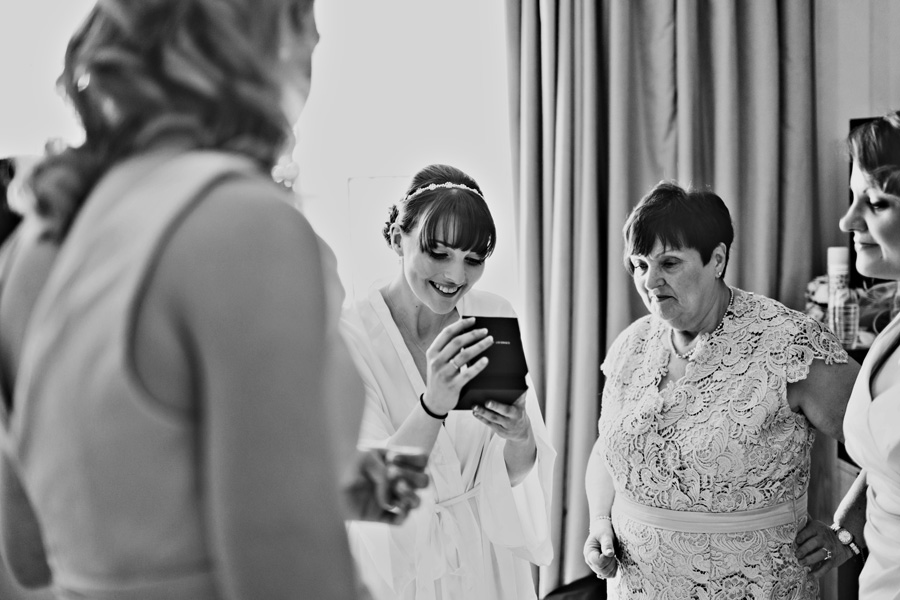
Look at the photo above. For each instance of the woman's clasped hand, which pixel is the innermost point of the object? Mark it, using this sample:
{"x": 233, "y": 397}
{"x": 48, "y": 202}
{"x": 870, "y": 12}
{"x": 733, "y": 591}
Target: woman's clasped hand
{"x": 389, "y": 486}
{"x": 599, "y": 548}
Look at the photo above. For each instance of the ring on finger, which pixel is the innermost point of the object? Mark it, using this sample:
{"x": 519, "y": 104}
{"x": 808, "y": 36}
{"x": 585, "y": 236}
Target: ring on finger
{"x": 827, "y": 554}
{"x": 453, "y": 362}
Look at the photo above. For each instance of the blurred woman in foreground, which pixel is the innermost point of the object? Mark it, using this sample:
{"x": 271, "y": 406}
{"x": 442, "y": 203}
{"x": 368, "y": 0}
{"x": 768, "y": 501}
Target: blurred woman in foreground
{"x": 167, "y": 349}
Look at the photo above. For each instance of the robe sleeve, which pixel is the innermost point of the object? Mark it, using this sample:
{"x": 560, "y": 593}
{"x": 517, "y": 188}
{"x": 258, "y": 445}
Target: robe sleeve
{"x": 376, "y": 427}
{"x": 525, "y": 531}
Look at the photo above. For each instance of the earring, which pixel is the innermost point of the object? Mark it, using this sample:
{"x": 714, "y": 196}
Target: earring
{"x": 719, "y": 275}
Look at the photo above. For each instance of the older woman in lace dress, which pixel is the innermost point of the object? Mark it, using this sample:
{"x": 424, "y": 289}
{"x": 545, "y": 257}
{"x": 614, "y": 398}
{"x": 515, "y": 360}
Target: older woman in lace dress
{"x": 697, "y": 483}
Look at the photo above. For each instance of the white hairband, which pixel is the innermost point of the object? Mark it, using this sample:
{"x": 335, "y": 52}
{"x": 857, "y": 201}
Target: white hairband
{"x": 449, "y": 184}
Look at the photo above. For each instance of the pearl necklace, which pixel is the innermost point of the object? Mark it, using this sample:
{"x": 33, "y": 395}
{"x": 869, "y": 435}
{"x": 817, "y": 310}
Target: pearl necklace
{"x": 689, "y": 355}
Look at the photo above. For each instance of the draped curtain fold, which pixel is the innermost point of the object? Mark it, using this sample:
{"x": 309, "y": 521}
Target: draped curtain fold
{"x": 607, "y": 98}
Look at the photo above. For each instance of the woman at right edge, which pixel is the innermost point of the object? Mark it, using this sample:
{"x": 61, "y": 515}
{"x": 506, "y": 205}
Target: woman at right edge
{"x": 872, "y": 420}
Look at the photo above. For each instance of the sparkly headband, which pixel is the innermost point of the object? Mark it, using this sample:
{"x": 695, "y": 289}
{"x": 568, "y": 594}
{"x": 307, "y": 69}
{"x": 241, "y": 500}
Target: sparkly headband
{"x": 450, "y": 185}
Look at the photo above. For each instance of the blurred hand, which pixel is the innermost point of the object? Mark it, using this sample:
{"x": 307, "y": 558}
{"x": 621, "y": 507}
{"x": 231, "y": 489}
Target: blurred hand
{"x": 599, "y": 552}
{"x": 384, "y": 486}
{"x": 509, "y": 421}
{"x": 812, "y": 542}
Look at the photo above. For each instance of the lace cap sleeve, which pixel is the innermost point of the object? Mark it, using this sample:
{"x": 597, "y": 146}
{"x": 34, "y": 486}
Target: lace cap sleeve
{"x": 805, "y": 340}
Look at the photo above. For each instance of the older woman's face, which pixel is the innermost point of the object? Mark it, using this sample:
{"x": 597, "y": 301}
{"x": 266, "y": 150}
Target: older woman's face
{"x": 874, "y": 220}
{"x": 676, "y": 285}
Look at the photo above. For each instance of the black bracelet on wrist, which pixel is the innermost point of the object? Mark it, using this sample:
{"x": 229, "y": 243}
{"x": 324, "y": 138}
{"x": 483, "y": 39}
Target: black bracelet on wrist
{"x": 428, "y": 412}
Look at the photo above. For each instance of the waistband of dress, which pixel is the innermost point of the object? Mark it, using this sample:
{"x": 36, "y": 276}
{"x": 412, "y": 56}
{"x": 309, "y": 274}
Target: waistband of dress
{"x": 707, "y": 522}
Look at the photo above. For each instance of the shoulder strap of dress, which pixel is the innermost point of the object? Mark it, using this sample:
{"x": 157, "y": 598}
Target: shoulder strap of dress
{"x": 168, "y": 175}
{"x": 148, "y": 178}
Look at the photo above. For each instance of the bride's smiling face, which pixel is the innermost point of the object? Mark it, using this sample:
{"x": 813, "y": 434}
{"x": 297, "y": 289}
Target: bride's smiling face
{"x": 439, "y": 275}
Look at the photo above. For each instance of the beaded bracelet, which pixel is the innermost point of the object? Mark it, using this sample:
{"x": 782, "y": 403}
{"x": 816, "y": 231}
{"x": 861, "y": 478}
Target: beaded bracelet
{"x": 428, "y": 412}
{"x": 603, "y": 518}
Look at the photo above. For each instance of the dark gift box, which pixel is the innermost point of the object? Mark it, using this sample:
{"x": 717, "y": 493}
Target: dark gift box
{"x": 504, "y": 378}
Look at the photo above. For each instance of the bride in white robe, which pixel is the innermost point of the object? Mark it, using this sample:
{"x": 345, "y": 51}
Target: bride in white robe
{"x": 485, "y": 517}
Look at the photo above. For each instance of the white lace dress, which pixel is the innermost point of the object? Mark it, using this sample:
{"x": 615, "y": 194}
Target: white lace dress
{"x": 719, "y": 446}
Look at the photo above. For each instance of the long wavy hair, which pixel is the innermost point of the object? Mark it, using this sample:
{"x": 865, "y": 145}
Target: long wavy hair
{"x": 138, "y": 71}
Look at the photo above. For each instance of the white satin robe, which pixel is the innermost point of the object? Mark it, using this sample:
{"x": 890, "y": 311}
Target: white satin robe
{"x": 474, "y": 535}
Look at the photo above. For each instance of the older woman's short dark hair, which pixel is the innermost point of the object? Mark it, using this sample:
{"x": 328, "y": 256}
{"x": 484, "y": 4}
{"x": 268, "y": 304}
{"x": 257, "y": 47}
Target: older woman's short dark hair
{"x": 679, "y": 218}
{"x": 875, "y": 148}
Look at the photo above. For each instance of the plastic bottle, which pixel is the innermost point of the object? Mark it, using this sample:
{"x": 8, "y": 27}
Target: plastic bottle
{"x": 843, "y": 305}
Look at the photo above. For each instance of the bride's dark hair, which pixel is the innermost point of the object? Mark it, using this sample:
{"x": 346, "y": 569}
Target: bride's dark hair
{"x": 457, "y": 216}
